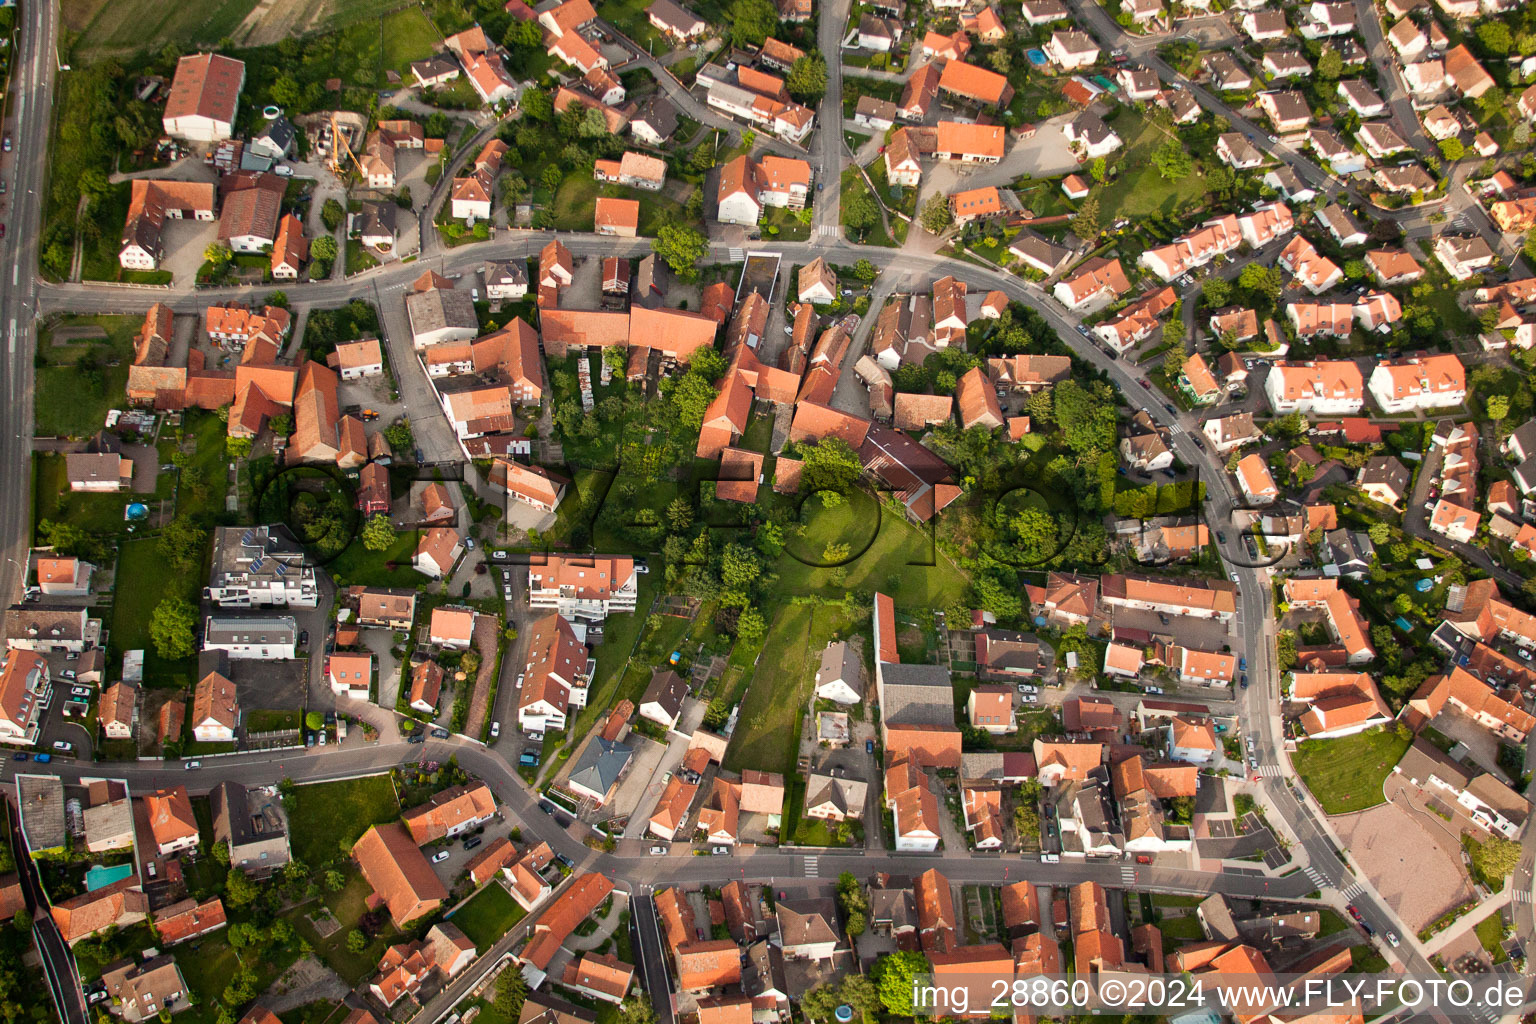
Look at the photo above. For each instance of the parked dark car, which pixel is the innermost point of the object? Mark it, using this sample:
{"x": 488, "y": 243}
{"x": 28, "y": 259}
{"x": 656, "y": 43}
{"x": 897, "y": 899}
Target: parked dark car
{"x": 439, "y": 733}
{"x": 869, "y": 746}
{"x": 472, "y": 842}
{"x": 416, "y": 737}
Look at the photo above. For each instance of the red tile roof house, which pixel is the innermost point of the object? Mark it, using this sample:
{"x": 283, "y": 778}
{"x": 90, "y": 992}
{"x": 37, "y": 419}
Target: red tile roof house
{"x": 707, "y": 965}
{"x": 601, "y": 976}
{"x": 398, "y": 873}
{"x": 586, "y": 893}
{"x": 143, "y": 991}
{"x": 251, "y": 204}
{"x": 171, "y": 820}
{"x": 559, "y": 669}
{"x": 436, "y": 552}
{"x": 204, "y": 98}
{"x": 451, "y": 812}
{"x": 350, "y": 675}
{"x": 618, "y": 217}
{"x": 531, "y": 485}
{"x": 354, "y": 359}
{"x": 405, "y": 966}
{"x": 452, "y": 627}
{"x": 526, "y": 879}
{"x": 188, "y": 919}
{"x": 118, "y": 905}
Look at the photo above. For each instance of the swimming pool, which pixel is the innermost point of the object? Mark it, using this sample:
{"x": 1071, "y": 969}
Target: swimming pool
{"x": 99, "y": 877}
{"x": 1036, "y": 57}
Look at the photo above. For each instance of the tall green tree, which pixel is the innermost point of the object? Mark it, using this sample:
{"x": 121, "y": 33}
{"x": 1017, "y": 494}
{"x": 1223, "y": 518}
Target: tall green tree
{"x": 682, "y": 248}
{"x": 1085, "y": 223}
{"x": 893, "y": 975}
{"x": 378, "y": 533}
{"x": 171, "y": 628}
{"x": 752, "y": 21}
{"x": 1172, "y": 160}
{"x": 860, "y": 212}
{"x": 807, "y": 79}
{"x": 937, "y": 215}
{"x": 511, "y": 993}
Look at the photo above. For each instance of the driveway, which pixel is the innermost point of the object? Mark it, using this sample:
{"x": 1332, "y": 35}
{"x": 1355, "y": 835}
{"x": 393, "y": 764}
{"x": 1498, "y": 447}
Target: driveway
{"x": 677, "y": 746}
{"x": 380, "y": 643}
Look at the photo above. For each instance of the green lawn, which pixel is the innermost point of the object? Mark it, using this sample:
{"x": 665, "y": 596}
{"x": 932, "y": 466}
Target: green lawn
{"x": 347, "y": 905}
{"x": 902, "y": 560}
{"x": 322, "y": 1012}
{"x": 1137, "y": 189}
{"x": 359, "y": 258}
{"x": 1365, "y": 959}
{"x": 140, "y": 561}
{"x": 577, "y": 195}
{"x": 357, "y": 565}
{"x": 784, "y": 225}
{"x": 1331, "y": 923}
{"x": 202, "y": 495}
{"x": 1346, "y": 774}
{"x": 98, "y": 255}
{"x": 328, "y": 815}
{"x": 408, "y": 35}
{"x": 488, "y": 916}
{"x": 72, "y": 401}
{"x": 271, "y": 720}
{"x": 799, "y": 829}
{"x": 1186, "y": 929}
{"x": 768, "y": 728}
{"x": 209, "y": 971}
{"x": 1490, "y": 932}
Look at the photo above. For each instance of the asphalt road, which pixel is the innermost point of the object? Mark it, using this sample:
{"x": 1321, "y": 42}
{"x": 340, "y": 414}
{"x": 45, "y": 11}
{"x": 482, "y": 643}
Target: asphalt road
{"x": 28, "y": 117}
{"x": 27, "y": 124}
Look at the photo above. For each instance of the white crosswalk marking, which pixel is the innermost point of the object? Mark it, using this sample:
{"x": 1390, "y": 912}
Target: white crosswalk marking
{"x": 811, "y": 869}
{"x": 1522, "y": 896}
{"x": 1316, "y": 876}
{"x": 1127, "y": 874}
{"x": 1267, "y": 771}
{"x": 1353, "y": 891}
{"x": 828, "y": 230}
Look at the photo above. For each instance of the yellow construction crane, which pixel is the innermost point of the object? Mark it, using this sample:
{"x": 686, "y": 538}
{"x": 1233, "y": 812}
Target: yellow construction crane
{"x": 341, "y": 151}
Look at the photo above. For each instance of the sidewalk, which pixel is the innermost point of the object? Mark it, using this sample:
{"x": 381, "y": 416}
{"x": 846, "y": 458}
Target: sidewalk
{"x": 1493, "y": 905}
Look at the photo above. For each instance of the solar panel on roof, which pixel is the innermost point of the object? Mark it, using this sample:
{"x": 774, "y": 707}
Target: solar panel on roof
{"x": 282, "y": 570}
{"x": 248, "y": 537}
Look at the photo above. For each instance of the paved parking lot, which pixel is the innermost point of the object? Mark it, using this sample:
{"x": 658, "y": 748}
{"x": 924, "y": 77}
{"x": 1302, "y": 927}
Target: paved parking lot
{"x": 57, "y": 728}
{"x": 272, "y": 684}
